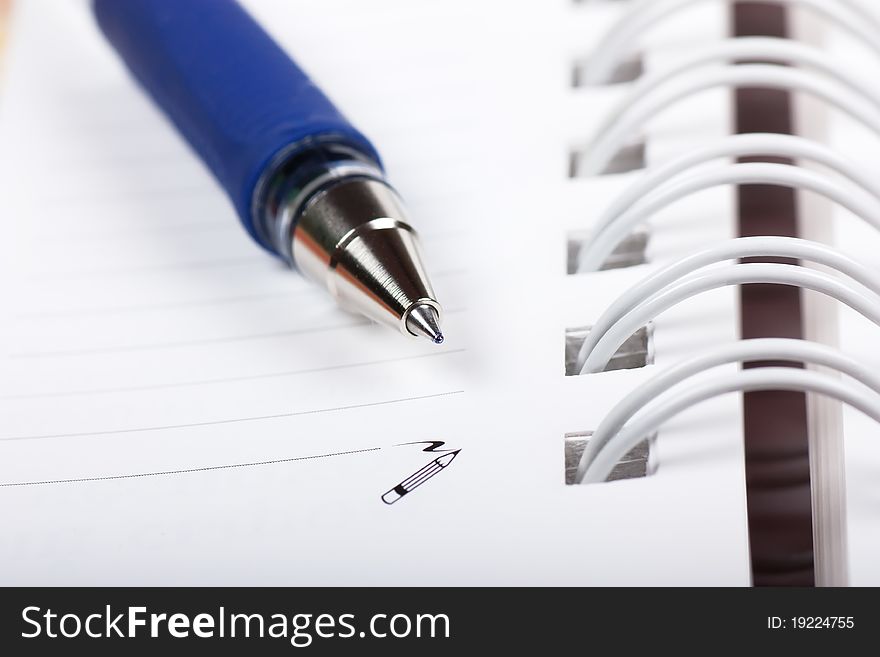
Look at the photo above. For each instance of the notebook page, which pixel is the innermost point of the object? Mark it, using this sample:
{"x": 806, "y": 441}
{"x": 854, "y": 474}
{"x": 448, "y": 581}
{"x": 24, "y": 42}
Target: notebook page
{"x": 178, "y": 408}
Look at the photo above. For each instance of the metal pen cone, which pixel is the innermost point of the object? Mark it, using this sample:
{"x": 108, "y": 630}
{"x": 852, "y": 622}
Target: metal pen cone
{"x": 424, "y": 321}
{"x": 351, "y": 239}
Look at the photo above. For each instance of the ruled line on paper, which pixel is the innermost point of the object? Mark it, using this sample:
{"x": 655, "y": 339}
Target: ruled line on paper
{"x": 231, "y": 379}
{"x": 130, "y": 196}
{"x": 113, "y": 310}
{"x": 297, "y": 288}
{"x": 249, "y": 261}
{"x": 257, "y": 418}
{"x": 300, "y": 288}
{"x": 127, "y": 158}
{"x": 356, "y": 323}
{"x": 165, "y": 473}
{"x": 190, "y": 343}
{"x": 106, "y": 232}
{"x": 145, "y": 219}
{"x": 109, "y": 234}
{"x": 60, "y": 203}
{"x": 121, "y": 124}
{"x": 53, "y": 205}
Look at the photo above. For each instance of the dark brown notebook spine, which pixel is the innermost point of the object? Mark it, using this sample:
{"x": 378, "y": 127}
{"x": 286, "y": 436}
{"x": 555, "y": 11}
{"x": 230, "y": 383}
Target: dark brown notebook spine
{"x": 775, "y": 422}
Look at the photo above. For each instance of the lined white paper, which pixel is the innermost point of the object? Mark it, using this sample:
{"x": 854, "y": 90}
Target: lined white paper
{"x": 176, "y": 407}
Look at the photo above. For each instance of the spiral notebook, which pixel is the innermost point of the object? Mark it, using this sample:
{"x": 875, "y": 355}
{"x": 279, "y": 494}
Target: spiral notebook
{"x": 166, "y": 417}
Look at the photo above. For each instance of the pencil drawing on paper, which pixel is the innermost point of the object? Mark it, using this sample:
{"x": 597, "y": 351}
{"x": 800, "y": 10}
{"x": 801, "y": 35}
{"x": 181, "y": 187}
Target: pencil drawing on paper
{"x": 424, "y": 473}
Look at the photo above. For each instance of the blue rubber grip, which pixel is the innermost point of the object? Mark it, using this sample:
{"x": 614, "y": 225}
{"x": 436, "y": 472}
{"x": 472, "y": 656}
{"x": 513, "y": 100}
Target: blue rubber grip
{"x": 235, "y": 96}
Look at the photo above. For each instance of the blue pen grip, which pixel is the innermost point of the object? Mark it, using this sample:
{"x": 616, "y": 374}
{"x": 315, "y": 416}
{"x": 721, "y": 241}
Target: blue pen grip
{"x": 235, "y": 96}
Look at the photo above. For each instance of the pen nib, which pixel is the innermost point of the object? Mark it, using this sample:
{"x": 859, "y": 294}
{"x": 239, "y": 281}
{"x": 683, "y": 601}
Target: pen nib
{"x": 424, "y": 321}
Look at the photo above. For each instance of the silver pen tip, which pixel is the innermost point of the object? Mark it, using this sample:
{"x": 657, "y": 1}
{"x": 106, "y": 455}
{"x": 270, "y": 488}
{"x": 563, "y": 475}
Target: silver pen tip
{"x": 424, "y": 321}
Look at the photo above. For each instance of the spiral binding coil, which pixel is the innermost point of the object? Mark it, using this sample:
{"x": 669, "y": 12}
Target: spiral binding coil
{"x": 786, "y": 65}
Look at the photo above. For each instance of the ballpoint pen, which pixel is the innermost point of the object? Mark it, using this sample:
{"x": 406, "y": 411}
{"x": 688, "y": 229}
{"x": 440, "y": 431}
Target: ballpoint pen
{"x": 305, "y": 183}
